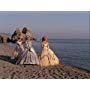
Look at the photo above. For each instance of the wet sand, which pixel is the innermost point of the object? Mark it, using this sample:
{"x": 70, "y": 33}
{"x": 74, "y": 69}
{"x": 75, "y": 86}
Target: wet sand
{"x": 8, "y": 69}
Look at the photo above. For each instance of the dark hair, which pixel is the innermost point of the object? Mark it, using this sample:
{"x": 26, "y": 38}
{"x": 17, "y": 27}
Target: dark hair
{"x": 44, "y": 38}
{"x": 24, "y": 30}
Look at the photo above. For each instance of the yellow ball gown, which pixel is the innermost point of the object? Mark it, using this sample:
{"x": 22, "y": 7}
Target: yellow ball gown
{"x": 47, "y": 57}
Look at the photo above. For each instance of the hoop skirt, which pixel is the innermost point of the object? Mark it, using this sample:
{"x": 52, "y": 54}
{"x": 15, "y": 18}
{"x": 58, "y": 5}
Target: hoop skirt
{"x": 47, "y": 57}
{"x": 29, "y": 55}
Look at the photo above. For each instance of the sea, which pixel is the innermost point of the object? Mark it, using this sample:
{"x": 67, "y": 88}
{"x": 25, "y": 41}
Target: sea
{"x": 74, "y": 52}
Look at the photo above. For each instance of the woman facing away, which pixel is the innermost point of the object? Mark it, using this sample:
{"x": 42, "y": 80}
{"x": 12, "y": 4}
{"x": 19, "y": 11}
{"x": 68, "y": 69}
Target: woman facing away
{"x": 47, "y": 57}
{"x": 19, "y": 49}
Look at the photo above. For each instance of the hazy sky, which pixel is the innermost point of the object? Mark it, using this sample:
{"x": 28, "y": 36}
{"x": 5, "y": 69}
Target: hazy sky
{"x": 54, "y": 24}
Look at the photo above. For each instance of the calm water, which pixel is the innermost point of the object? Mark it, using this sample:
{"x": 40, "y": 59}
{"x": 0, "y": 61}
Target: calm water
{"x": 70, "y": 51}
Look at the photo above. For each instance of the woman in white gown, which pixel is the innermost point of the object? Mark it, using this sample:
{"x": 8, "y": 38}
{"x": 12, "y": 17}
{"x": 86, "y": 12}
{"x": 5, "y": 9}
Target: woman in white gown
{"x": 29, "y": 55}
{"x": 24, "y": 52}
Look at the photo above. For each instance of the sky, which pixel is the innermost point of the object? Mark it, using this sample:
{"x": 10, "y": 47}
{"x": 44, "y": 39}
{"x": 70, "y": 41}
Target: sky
{"x": 55, "y": 24}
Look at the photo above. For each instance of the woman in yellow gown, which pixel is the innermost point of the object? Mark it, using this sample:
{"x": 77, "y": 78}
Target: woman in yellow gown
{"x": 47, "y": 57}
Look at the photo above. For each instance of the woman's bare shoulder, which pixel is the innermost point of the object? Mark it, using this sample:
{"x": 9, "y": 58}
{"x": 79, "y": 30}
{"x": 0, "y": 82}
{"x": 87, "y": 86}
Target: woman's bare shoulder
{"x": 44, "y": 42}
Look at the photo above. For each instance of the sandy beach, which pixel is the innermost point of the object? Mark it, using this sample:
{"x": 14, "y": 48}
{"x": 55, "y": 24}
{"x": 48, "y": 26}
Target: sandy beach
{"x": 8, "y": 69}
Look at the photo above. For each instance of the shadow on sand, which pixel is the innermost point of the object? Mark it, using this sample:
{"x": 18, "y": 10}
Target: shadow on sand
{"x": 7, "y": 59}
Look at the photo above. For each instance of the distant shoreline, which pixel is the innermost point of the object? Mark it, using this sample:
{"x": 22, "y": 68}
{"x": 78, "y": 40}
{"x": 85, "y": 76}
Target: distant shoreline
{"x": 9, "y": 34}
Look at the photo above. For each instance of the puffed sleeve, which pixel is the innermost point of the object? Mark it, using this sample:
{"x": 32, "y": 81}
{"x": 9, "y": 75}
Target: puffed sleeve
{"x": 45, "y": 44}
